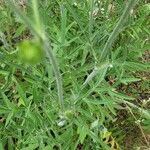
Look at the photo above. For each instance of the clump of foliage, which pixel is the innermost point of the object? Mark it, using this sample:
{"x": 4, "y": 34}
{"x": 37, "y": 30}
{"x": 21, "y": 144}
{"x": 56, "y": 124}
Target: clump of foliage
{"x": 64, "y": 69}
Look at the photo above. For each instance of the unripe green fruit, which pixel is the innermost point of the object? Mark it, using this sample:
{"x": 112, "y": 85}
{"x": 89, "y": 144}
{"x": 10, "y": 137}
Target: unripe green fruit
{"x": 30, "y": 51}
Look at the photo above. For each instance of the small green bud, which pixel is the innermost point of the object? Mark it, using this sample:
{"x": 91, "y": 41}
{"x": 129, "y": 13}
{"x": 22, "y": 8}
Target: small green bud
{"x": 30, "y": 51}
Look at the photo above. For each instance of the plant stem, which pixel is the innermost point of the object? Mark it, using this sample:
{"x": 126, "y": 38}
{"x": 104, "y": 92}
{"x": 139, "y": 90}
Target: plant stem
{"x": 145, "y": 113}
{"x": 38, "y": 32}
{"x": 53, "y": 60}
{"x": 36, "y": 15}
{"x": 117, "y": 30}
{"x": 114, "y": 34}
{"x": 139, "y": 125}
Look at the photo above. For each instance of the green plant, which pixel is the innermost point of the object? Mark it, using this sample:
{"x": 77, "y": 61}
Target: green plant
{"x": 92, "y": 53}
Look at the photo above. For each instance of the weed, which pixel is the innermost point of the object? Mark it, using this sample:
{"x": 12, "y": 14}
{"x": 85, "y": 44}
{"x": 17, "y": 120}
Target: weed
{"x": 81, "y": 87}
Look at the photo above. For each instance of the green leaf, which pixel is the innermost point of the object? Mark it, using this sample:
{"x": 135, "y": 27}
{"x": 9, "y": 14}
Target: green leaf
{"x": 1, "y": 146}
{"x": 9, "y": 117}
{"x": 120, "y": 95}
{"x": 126, "y": 81}
{"x": 47, "y": 148}
{"x": 82, "y": 131}
{"x": 136, "y": 66}
{"x": 110, "y": 104}
{"x": 9, "y": 104}
{"x": 31, "y": 147}
{"x": 21, "y": 92}
{"x": 95, "y": 124}
{"x": 19, "y": 30}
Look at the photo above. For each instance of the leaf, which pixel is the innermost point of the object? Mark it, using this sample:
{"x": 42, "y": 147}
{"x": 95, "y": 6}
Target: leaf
{"x": 75, "y": 15}
{"x": 21, "y": 102}
{"x": 84, "y": 55}
{"x": 129, "y": 80}
{"x": 47, "y": 148}
{"x": 11, "y": 145}
{"x": 31, "y": 147}
{"x": 120, "y": 95}
{"x": 95, "y": 124}
{"x": 100, "y": 70}
{"x": 110, "y": 104}
{"x": 82, "y": 131}
{"x": 136, "y": 66}
{"x": 6, "y": 100}
{"x": 1, "y": 146}
{"x": 94, "y": 101}
{"x": 21, "y": 93}
{"x": 9, "y": 105}
{"x": 9, "y": 117}
{"x": 19, "y": 30}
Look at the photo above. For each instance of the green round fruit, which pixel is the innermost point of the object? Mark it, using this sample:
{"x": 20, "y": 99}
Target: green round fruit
{"x": 30, "y": 51}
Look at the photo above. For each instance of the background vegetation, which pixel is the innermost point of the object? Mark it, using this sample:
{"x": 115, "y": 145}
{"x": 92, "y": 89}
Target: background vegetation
{"x": 74, "y": 75}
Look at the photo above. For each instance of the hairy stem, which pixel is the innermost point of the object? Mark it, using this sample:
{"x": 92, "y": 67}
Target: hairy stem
{"x": 36, "y": 15}
{"x": 114, "y": 34}
{"x": 117, "y": 30}
{"x": 38, "y": 32}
